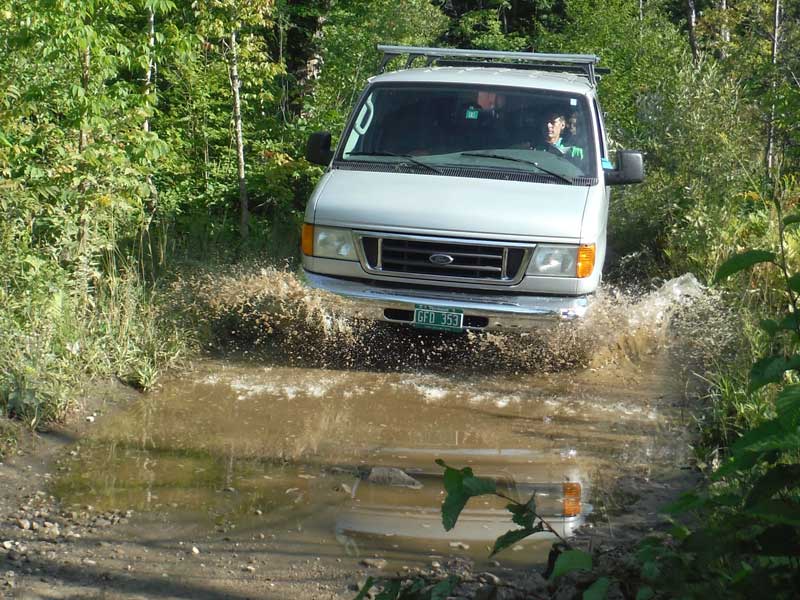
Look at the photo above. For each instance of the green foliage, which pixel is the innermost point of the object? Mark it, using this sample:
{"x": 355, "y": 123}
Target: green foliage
{"x": 744, "y": 537}
{"x": 460, "y": 485}
{"x": 569, "y": 561}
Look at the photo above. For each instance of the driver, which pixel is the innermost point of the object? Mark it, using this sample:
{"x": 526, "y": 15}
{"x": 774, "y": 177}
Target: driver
{"x": 553, "y": 130}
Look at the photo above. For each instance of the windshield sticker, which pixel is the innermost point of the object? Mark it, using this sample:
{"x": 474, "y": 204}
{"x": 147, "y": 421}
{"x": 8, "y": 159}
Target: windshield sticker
{"x": 472, "y": 113}
{"x": 573, "y": 102}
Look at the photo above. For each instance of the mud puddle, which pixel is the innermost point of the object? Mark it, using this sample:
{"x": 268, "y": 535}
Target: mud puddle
{"x": 341, "y": 463}
{"x": 287, "y": 473}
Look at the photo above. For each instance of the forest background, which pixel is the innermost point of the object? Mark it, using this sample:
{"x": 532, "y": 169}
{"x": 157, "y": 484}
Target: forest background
{"x": 139, "y": 138}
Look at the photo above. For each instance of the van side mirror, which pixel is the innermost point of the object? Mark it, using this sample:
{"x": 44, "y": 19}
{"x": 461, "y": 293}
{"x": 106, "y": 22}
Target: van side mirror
{"x": 318, "y": 149}
{"x": 630, "y": 169}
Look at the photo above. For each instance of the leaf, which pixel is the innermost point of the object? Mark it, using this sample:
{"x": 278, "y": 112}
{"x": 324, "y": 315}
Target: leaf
{"x": 794, "y": 282}
{"x": 789, "y": 322}
{"x": 645, "y": 593}
{"x": 791, "y": 219}
{"x": 770, "y": 326}
{"x": 744, "y": 461}
{"x": 787, "y": 405}
{"x": 785, "y": 512}
{"x": 742, "y": 261}
{"x": 391, "y": 591}
{"x": 461, "y": 485}
{"x": 772, "y": 482}
{"x": 452, "y": 506}
{"x": 569, "y": 561}
{"x": 524, "y": 515}
{"x": 365, "y": 590}
{"x": 443, "y": 589}
{"x": 779, "y": 540}
{"x": 510, "y": 538}
{"x": 476, "y": 486}
{"x": 770, "y": 435}
{"x": 688, "y": 501}
{"x": 598, "y": 590}
{"x": 770, "y": 369}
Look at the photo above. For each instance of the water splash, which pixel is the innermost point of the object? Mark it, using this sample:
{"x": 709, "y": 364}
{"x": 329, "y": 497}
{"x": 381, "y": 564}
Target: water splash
{"x": 269, "y": 312}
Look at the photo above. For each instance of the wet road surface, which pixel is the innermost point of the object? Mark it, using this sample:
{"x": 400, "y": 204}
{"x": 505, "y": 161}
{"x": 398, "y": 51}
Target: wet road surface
{"x": 332, "y": 463}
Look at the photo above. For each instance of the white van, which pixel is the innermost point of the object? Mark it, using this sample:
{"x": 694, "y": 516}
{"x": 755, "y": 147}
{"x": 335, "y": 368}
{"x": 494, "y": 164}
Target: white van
{"x": 468, "y": 194}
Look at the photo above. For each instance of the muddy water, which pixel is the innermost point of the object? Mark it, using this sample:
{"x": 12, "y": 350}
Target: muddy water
{"x": 332, "y": 462}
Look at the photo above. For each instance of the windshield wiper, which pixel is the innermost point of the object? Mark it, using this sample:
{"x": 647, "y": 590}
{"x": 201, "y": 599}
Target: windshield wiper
{"x": 408, "y": 157}
{"x": 563, "y": 178}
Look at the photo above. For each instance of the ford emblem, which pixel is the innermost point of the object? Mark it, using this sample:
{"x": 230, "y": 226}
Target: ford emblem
{"x": 441, "y": 259}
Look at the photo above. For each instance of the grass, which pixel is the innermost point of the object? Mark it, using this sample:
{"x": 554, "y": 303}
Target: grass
{"x": 56, "y": 337}
{"x": 9, "y": 436}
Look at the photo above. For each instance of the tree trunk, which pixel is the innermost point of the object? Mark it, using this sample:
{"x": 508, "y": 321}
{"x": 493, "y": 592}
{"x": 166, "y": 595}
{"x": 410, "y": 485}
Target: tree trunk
{"x": 776, "y": 35}
{"x": 724, "y": 32}
{"x": 244, "y": 210}
{"x": 86, "y": 63}
{"x": 691, "y": 18}
{"x": 151, "y": 65}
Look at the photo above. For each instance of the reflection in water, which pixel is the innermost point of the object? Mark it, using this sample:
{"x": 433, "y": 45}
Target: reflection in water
{"x": 331, "y": 449}
{"x": 347, "y": 456}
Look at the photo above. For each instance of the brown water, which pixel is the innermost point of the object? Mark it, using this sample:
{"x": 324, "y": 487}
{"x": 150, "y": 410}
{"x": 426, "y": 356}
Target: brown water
{"x": 335, "y": 457}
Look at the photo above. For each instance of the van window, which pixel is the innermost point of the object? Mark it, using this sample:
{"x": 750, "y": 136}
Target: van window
{"x": 477, "y": 127}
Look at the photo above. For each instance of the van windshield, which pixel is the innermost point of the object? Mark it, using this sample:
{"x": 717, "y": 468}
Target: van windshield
{"x": 478, "y": 128}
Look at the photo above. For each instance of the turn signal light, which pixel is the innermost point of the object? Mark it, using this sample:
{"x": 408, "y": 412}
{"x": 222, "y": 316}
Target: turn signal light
{"x": 585, "y": 260}
{"x": 308, "y": 239}
{"x": 571, "y": 503}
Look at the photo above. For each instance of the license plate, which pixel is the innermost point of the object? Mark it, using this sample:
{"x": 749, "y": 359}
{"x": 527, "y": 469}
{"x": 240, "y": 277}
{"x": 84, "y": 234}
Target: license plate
{"x": 438, "y": 317}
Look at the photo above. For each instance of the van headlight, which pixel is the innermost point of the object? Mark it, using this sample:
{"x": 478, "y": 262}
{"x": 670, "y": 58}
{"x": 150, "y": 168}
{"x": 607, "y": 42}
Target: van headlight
{"x": 563, "y": 261}
{"x": 554, "y": 260}
{"x": 328, "y": 242}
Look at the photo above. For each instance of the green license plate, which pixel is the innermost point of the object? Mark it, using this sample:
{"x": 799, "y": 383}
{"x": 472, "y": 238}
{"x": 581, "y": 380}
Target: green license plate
{"x": 438, "y": 317}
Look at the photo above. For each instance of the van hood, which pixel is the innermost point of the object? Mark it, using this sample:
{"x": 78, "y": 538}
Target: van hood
{"x": 458, "y": 206}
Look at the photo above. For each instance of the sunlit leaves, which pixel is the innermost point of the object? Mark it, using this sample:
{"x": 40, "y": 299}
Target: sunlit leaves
{"x": 460, "y": 485}
{"x": 742, "y": 261}
{"x": 569, "y": 561}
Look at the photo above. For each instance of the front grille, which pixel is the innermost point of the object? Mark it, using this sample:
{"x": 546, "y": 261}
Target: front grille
{"x": 445, "y": 259}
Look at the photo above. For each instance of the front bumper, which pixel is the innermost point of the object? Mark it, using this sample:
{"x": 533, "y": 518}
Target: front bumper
{"x": 481, "y": 312}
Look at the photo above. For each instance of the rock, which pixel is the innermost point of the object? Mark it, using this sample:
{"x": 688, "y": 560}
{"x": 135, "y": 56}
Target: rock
{"x": 8, "y": 545}
{"x": 393, "y": 477}
{"x": 485, "y": 592}
{"x": 90, "y": 419}
{"x": 34, "y": 526}
{"x": 195, "y": 550}
{"x": 249, "y": 569}
{"x": 89, "y": 562}
{"x": 490, "y": 578}
{"x": 13, "y": 555}
{"x": 24, "y": 524}
{"x": 533, "y": 584}
{"x": 374, "y": 563}
{"x": 459, "y": 545}
{"x": 435, "y": 564}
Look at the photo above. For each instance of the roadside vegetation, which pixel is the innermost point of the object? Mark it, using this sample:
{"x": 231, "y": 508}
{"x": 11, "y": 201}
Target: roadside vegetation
{"x": 142, "y": 139}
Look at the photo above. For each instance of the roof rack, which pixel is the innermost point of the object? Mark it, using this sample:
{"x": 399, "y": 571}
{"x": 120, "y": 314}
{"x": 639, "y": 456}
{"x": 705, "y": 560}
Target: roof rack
{"x": 584, "y": 64}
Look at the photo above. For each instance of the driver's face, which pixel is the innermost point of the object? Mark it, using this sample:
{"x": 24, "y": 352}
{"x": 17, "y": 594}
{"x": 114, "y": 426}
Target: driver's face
{"x": 553, "y": 128}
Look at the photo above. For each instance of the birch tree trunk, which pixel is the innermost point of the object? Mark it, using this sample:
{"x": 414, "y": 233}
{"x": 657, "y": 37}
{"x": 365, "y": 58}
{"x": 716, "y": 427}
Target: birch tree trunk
{"x": 725, "y": 32}
{"x": 691, "y": 18}
{"x": 150, "y": 75}
{"x": 86, "y": 62}
{"x": 776, "y": 35}
{"x": 244, "y": 209}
